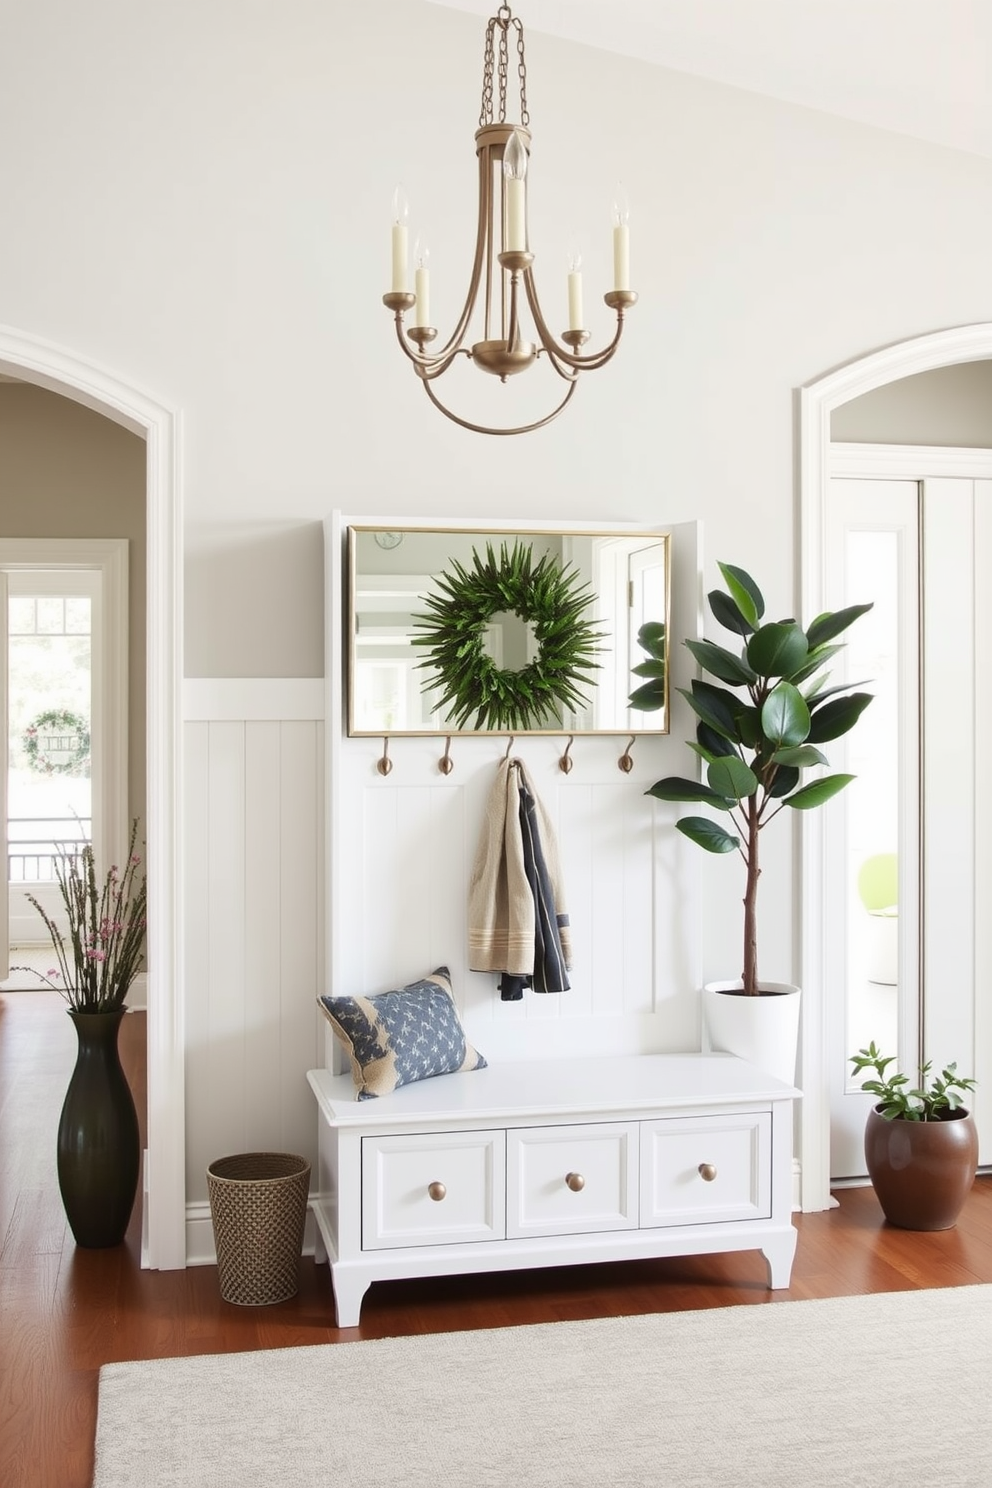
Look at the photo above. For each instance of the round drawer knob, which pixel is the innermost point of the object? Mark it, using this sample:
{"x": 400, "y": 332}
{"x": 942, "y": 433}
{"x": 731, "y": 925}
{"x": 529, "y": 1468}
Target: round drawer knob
{"x": 707, "y": 1171}
{"x": 575, "y": 1182}
{"x": 436, "y": 1191}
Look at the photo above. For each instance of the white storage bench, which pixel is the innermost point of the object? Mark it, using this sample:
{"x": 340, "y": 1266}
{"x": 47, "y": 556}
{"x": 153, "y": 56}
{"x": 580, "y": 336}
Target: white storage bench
{"x": 550, "y": 1163}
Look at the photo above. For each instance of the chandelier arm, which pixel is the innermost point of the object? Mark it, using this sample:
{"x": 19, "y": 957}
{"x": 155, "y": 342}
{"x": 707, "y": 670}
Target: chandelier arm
{"x": 448, "y": 353}
{"x": 568, "y": 373}
{"x": 482, "y": 429}
{"x": 556, "y": 352}
{"x": 426, "y": 365}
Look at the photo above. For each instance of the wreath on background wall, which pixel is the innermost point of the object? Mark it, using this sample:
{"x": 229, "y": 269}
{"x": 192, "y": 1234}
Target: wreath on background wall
{"x": 546, "y": 596}
{"x": 57, "y": 742}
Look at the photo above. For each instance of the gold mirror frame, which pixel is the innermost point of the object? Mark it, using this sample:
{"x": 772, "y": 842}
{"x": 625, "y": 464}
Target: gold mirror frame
{"x": 390, "y": 569}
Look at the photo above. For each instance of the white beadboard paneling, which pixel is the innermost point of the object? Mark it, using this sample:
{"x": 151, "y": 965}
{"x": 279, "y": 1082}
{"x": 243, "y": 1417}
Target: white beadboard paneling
{"x": 301, "y": 901}
{"x": 226, "y": 949}
{"x": 199, "y": 1101}
{"x": 254, "y": 910}
{"x": 263, "y": 933}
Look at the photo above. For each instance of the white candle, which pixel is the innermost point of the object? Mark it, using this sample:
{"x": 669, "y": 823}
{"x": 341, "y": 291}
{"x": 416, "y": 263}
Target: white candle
{"x": 621, "y": 256}
{"x": 575, "y": 300}
{"x": 621, "y": 240}
{"x": 422, "y": 285}
{"x": 399, "y": 258}
{"x": 516, "y": 237}
{"x": 401, "y": 211}
{"x": 514, "y": 175}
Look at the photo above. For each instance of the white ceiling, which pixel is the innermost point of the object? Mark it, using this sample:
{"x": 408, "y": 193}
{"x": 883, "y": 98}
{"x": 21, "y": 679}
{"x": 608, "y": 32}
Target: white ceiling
{"x": 918, "y": 67}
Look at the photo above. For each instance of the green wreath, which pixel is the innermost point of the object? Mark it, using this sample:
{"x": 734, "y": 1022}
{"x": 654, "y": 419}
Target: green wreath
{"x": 547, "y": 596}
{"x": 69, "y": 726}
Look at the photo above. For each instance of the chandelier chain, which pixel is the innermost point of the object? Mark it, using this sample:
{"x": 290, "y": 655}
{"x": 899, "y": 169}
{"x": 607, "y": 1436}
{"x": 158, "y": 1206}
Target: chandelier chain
{"x": 496, "y": 68}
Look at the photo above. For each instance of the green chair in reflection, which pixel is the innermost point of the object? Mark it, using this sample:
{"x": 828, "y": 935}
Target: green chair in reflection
{"x": 878, "y": 890}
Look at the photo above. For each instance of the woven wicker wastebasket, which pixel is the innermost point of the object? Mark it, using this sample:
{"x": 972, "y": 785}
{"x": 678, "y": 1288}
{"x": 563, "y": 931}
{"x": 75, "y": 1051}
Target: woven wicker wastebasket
{"x": 258, "y": 1205}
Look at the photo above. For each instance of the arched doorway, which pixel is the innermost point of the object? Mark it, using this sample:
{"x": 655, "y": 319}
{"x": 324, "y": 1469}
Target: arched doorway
{"x": 817, "y": 402}
{"x": 61, "y": 371}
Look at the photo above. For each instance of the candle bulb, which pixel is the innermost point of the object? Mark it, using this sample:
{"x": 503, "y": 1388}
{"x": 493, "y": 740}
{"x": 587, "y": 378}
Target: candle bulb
{"x": 401, "y": 211}
{"x": 575, "y": 291}
{"x": 422, "y": 285}
{"x": 514, "y": 176}
{"x": 621, "y": 240}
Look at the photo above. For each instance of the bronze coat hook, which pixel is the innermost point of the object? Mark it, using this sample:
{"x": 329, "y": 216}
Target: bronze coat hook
{"x": 385, "y": 764}
{"x": 446, "y": 764}
{"x": 625, "y": 762}
{"x": 565, "y": 763}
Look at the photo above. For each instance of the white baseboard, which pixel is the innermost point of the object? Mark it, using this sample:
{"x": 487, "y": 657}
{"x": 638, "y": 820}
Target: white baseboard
{"x": 137, "y": 993}
{"x": 200, "y": 1247}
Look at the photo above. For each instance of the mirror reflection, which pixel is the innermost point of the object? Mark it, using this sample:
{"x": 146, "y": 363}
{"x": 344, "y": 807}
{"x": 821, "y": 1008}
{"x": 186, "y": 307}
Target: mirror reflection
{"x": 474, "y": 631}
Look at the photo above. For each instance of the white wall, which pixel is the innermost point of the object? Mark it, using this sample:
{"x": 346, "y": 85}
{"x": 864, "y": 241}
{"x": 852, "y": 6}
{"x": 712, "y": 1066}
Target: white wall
{"x": 199, "y": 199}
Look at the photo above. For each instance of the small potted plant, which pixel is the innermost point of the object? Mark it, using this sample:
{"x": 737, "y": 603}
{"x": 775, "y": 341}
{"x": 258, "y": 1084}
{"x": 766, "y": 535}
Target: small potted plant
{"x": 98, "y": 1140}
{"x": 757, "y": 732}
{"x": 921, "y": 1143}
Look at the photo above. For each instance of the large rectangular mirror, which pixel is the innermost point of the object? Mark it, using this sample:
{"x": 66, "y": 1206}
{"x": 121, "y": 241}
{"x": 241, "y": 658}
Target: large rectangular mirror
{"x": 465, "y": 630}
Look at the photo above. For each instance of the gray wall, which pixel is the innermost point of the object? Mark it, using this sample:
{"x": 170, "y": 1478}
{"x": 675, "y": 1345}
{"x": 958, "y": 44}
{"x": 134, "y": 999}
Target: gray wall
{"x": 950, "y": 406}
{"x": 66, "y": 471}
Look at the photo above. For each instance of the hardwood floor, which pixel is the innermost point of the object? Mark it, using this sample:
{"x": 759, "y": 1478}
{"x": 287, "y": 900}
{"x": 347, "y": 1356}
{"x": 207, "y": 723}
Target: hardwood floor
{"x": 64, "y": 1311}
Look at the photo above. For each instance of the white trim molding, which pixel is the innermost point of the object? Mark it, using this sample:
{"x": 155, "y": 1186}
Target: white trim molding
{"x": 40, "y": 362}
{"x": 817, "y": 402}
{"x": 907, "y": 462}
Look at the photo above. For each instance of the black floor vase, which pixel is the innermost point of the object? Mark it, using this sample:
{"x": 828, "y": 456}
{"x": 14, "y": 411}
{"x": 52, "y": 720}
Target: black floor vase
{"x": 99, "y": 1145}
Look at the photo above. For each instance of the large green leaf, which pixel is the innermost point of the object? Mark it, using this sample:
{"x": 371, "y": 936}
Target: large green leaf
{"x": 677, "y": 788}
{"x": 728, "y": 613}
{"x": 748, "y": 724}
{"x": 746, "y": 594}
{"x": 786, "y": 779}
{"x": 712, "y": 742}
{"x": 818, "y": 791}
{"x": 778, "y": 650}
{"x": 730, "y": 776}
{"x": 707, "y": 834}
{"x": 821, "y": 692}
{"x": 652, "y": 637}
{"x": 722, "y": 663}
{"x": 785, "y": 716}
{"x": 801, "y": 755}
{"x": 714, "y": 706}
{"x": 828, "y": 625}
{"x": 649, "y": 698}
{"x": 836, "y": 717}
{"x": 817, "y": 659}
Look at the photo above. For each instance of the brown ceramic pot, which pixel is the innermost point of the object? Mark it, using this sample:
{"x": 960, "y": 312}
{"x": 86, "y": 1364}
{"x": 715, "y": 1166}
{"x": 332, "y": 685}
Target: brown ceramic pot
{"x": 922, "y": 1171}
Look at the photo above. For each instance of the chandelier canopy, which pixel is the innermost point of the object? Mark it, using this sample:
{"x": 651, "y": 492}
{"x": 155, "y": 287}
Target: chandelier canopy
{"x": 503, "y": 267}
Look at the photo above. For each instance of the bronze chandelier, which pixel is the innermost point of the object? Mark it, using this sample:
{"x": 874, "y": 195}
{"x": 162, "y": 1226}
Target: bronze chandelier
{"x": 503, "y": 265}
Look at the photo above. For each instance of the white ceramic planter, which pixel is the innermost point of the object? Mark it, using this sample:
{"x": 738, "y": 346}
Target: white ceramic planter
{"x": 763, "y": 1030}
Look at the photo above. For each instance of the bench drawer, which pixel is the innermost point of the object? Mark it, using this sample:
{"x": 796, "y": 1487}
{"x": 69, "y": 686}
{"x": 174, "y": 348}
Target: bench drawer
{"x": 438, "y": 1188}
{"x": 701, "y": 1170}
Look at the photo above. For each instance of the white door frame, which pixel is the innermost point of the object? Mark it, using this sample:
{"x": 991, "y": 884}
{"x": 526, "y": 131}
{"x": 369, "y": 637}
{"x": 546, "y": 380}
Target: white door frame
{"x": 817, "y": 402}
{"x": 36, "y": 361}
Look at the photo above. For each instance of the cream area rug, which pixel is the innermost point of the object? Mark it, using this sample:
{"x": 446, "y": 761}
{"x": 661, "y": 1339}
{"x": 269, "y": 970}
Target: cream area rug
{"x": 889, "y": 1388}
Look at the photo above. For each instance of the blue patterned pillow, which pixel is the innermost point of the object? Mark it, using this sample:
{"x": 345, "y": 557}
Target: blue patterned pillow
{"x": 397, "y": 1037}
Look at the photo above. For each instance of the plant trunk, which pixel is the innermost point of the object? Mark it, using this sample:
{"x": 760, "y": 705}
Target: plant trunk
{"x": 750, "y": 975}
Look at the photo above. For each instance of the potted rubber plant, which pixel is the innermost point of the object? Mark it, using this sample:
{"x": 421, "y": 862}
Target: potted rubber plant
{"x": 760, "y": 727}
{"x": 921, "y": 1142}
